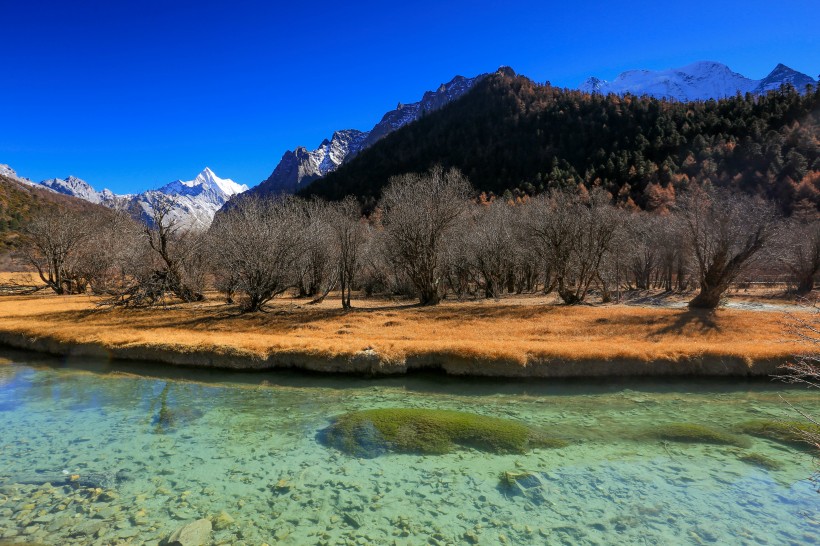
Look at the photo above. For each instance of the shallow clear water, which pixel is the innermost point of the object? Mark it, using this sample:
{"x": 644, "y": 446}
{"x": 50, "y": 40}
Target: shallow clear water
{"x": 168, "y": 446}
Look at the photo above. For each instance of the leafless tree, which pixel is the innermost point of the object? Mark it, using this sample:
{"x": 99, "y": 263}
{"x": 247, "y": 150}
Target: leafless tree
{"x": 420, "y": 211}
{"x": 643, "y": 248}
{"x": 168, "y": 258}
{"x": 575, "y": 233}
{"x": 318, "y": 262}
{"x": 178, "y": 249}
{"x": 258, "y": 242}
{"x": 491, "y": 245}
{"x": 527, "y": 262}
{"x": 725, "y": 231}
{"x": 106, "y": 255}
{"x": 800, "y": 253}
{"x": 805, "y": 368}
{"x": 54, "y": 240}
{"x": 674, "y": 255}
{"x": 350, "y": 235}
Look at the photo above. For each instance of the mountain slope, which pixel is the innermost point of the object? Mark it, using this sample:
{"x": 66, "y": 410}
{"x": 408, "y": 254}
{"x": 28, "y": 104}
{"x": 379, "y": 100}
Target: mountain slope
{"x": 698, "y": 81}
{"x": 510, "y": 133}
{"x": 300, "y": 167}
{"x": 19, "y": 198}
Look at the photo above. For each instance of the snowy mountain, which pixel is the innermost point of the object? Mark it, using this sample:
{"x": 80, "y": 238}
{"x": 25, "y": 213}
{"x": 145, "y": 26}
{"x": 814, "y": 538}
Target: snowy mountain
{"x": 300, "y": 167}
{"x": 698, "y": 81}
{"x": 195, "y": 201}
{"x": 783, "y": 74}
{"x": 79, "y": 188}
{"x": 8, "y": 172}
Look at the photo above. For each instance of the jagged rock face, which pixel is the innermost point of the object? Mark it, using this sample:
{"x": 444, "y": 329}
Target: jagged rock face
{"x": 78, "y": 188}
{"x": 300, "y": 167}
{"x": 697, "y": 81}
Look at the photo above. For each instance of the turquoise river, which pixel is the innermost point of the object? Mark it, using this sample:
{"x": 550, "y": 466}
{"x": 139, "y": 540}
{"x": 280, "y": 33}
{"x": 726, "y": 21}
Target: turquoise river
{"x": 119, "y": 453}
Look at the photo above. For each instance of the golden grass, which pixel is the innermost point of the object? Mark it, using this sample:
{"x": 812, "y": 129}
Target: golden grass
{"x": 517, "y": 329}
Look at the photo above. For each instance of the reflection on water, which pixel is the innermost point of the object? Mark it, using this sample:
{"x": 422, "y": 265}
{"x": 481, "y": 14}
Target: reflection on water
{"x": 97, "y": 453}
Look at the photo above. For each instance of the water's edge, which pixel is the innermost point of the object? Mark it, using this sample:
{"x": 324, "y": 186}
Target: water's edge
{"x": 369, "y": 362}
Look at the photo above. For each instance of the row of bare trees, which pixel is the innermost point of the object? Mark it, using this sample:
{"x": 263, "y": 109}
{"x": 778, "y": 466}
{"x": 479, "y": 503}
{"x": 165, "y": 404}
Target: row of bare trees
{"x": 429, "y": 237}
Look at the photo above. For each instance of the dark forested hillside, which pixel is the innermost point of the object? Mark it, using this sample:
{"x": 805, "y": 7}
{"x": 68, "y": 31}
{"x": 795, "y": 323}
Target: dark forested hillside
{"x": 512, "y": 134}
{"x": 18, "y": 201}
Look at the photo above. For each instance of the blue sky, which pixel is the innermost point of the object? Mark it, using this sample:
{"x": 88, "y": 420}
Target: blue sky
{"x": 131, "y": 95}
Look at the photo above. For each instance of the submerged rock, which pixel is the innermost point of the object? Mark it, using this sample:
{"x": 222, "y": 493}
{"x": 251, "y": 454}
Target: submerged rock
{"x": 522, "y": 484}
{"x": 195, "y": 533}
{"x": 222, "y": 521}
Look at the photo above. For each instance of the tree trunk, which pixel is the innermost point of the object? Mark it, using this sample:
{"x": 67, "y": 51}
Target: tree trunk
{"x": 429, "y": 296}
{"x": 709, "y": 296}
{"x": 805, "y": 284}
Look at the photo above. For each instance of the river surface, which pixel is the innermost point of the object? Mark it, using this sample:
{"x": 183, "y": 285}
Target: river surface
{"x": 119, "y": 453}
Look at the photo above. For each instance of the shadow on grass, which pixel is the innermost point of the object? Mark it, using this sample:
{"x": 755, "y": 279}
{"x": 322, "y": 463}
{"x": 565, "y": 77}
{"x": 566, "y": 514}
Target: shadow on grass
{"x": 691, "y": 321}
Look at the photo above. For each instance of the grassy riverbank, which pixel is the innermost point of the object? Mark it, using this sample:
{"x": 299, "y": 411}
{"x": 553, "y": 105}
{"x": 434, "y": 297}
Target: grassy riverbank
{"x": 514, "y": 336}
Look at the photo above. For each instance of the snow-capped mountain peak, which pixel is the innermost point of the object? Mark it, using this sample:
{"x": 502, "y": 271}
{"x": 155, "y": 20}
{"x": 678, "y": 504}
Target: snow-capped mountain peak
{"x": 701, "y": 80}
{"x": 206, "y": 182}
{"x": 225, "y": 185}
{"x": 783, "y": 74}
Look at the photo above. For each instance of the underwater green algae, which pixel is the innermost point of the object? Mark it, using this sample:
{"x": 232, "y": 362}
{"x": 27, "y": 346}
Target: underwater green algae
{"x": 758, "y": 459}
{"x": 372, "y": 432}
{"x": 695, "y": 433}
{"x": 786, "y": 432}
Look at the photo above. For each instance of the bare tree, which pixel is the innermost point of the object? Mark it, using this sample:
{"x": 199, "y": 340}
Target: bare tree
{"x": 725, "y": 231}
{"x": 490, "y": 245}
{"x": 674, "y": 255}
{"x": 575, "y": 233}
{"x": 800, "y": 253}
{"x": 420, "y": 211}
{"x": 106, "y": 255}
{"x": 805, "y": 368}
{"x": 317, "y": 262}
{"x": 179, "y": 252}
{"x": 258, "y": 243}
{"x": 54, "y": 239}
{"x": 350, "y": 235}
{"x": 643, "y": 248}
{"x": 166, "y": 259}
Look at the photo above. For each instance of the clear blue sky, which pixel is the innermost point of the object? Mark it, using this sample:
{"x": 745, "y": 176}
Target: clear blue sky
{"x": 130, "y": 95}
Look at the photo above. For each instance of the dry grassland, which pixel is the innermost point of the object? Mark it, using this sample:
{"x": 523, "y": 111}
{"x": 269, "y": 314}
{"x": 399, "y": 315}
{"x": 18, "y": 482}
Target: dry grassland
{"x": 517, "y": 330}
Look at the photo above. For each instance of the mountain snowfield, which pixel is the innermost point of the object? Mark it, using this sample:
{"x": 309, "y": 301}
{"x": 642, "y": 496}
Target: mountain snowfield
{"x": 195, "y": 201}
{"x": 698, "y": 81}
